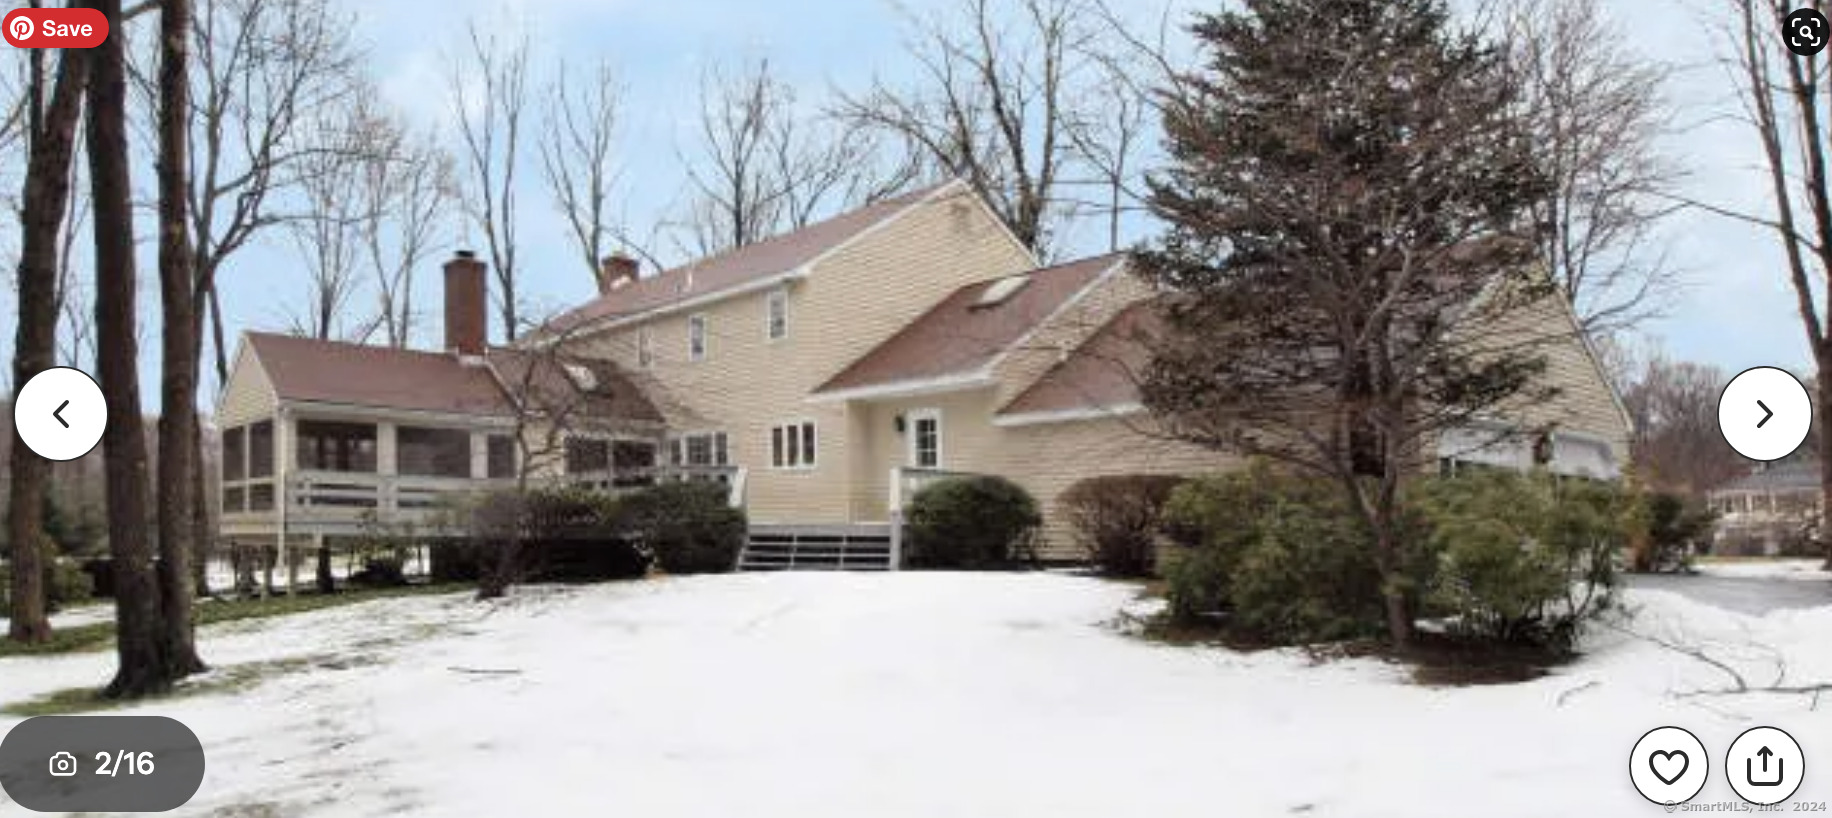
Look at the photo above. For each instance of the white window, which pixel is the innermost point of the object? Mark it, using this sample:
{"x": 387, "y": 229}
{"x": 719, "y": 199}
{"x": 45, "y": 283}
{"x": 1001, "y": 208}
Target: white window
{"x": 925, "y": 438}
{"x": 645, "y": 348}
{"x": 700, "y": 449}
{"x": 776, "y": 313}
{"x": 696, "y": 337}
{"x": 792, "y": 446}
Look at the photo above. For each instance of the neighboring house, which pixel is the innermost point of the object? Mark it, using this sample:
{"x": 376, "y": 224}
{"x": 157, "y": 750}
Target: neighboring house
{"x": 1772, "y": 510}
{"x": 843, "y": 365}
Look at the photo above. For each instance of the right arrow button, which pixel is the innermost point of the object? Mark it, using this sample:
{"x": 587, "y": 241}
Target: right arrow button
{"x": 1765, "y": 413}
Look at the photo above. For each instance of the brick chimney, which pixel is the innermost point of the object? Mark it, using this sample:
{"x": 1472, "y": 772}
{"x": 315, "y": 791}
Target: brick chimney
{"x": 465, "y": 327}
{"x": 615, "y": 272}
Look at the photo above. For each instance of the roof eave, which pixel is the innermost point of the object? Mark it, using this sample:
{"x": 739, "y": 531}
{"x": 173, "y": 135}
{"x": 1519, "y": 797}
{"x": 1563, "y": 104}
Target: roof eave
{"x": 1035, "y": 418}
{"x": 909, "y": 388}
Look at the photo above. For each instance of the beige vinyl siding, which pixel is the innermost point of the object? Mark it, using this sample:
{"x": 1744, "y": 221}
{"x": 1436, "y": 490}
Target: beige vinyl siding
{"x": 249, "y": 395}
{"x": 847, "y": 303}
{"x": 1048, "y": 458}
{"x": 1044, "y": 458}
{"x": 1585, "y": 403}
{"x": 1065, "y": 331}
{"x": 969, "y": 443}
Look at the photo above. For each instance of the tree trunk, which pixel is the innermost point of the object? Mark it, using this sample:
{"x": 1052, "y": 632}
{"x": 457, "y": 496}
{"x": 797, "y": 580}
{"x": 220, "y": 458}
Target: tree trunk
{"x": 327, "y": 582}
{"x": 45, "y": 199}
{"x": 202, "y": 538}
{"x": 179, "y": 458}
{"x": 138, "y": 635}
{"x": 1825, "y": 459}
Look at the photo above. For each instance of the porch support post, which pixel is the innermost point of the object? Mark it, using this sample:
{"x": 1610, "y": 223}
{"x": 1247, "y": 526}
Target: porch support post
{"x": 283, "y": 461}
{"x": 895, "y": 505}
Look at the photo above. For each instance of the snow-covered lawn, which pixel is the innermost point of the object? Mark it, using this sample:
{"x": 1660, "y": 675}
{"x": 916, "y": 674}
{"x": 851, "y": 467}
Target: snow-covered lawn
{"x": 1765, "y": 568}
{"x": 923, "y": 694}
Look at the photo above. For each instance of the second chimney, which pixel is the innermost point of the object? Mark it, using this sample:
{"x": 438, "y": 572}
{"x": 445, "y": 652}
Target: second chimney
{"x": 615, "y": 272}
{"x": 464, "y": 304}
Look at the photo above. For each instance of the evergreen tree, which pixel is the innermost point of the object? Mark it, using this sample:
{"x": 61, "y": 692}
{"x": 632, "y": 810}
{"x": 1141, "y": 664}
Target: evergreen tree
{"x": 1348, "y": 200}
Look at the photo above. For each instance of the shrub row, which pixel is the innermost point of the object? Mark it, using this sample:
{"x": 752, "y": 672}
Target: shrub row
{"x": 571, "y": 534}
{"x": 1500, "y": 556}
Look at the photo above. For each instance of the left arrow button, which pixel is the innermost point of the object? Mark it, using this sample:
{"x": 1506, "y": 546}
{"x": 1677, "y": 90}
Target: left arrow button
{"x": 60, "y": 413}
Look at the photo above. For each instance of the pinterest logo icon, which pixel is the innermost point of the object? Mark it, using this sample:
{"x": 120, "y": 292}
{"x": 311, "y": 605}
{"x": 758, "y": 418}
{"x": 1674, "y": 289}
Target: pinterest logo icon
{"x": 55, "y": 28}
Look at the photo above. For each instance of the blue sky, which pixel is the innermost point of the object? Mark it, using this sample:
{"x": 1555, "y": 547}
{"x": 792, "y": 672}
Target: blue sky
{"x": 1735, "y": 310}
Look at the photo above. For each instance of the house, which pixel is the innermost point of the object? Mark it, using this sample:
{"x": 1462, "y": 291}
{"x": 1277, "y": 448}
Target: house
{"x": 324, "y": 440}
{"x": 839, "y": 367}
{"x": 1774, "y": 509}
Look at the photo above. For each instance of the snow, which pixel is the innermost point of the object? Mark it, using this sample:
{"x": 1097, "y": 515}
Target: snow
{"x": 927, "y": 694}
{"x": 1803, "y": 569}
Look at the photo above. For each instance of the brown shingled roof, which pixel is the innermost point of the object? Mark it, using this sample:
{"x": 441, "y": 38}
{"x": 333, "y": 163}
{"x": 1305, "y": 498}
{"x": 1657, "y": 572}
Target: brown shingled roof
{"x": 1102, "y": 373}
{"x": 307, "y": 369}
{"x": 958, "y": 337}
{"x": 606, "y": 394}
{"x": 743, "y": 265}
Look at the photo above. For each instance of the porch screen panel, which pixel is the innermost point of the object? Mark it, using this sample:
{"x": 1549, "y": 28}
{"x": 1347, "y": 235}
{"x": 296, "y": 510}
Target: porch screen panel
{"x": 261, "y": 449}
{"x": 632, "y": 454}
{"x": 587, "y": 455}
{"x": 429, "y": 452}
{"x": 235, "y": 466}
{"x": 336, "y": 446}
{"x": 501, "y": 456}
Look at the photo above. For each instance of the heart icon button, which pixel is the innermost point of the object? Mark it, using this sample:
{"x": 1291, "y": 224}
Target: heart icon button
{"x": 1668, "y": 765}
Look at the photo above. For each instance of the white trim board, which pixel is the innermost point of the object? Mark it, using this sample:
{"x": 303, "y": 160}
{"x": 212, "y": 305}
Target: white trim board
{"x": 1067, "y": 415}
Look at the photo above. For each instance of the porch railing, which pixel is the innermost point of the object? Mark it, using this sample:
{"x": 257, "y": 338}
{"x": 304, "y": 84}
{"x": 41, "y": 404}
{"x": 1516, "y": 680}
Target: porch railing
{"x": 339, "y": 494}
{"x": 905, "y": 481}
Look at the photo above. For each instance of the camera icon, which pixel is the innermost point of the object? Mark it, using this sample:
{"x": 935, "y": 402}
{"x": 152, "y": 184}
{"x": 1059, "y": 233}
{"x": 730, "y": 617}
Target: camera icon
{"x": 63, "y": 764}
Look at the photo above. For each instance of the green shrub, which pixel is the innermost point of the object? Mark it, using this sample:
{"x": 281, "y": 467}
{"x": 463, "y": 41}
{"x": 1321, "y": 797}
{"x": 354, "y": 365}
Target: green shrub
{"x": 973, "y": 523}
{"x": 1282, "y": 556}
{"x": 1116, "y": 519}
{"x": 1196, "y": 584}
{"x": 689, "y": 527}
{"x": 1310, "y": 576}
{"x": 65, "y": 583}
{"x": 1674, "y": 527}
{"x": 1522, "y": 558}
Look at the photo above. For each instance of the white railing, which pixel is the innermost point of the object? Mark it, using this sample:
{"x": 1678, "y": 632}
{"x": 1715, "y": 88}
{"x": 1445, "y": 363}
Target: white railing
{"x": 905, "y": 481}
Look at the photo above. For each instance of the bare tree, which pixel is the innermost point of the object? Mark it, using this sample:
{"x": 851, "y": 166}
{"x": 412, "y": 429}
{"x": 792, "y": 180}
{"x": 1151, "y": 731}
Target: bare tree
{"x": 993, "y": 103}
{"x": 740, "y": 197}
{"x": 325, "y": 233}
{"x": 139, "y": 635}
{"x": 577, "y": 158}
{"x": 489, "y": 91}
{"x": 51, "y": 138}
{"x": 764, "y": 166}
{"x": 1781, "y": 94}
{"x": 1677, "y": 446}
{"x": 406, "y": 186}
{"x": 1597, "y": 116}
{"x": 180, "y": 455}
{"x": 550, "y": 388}
{"x": 263, "y": 68}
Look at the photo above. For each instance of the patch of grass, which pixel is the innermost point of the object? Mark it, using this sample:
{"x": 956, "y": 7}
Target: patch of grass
{"x": 96, "y": 636}
{"x": 225, "y": 679}
{"x": 100, "y": 635}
